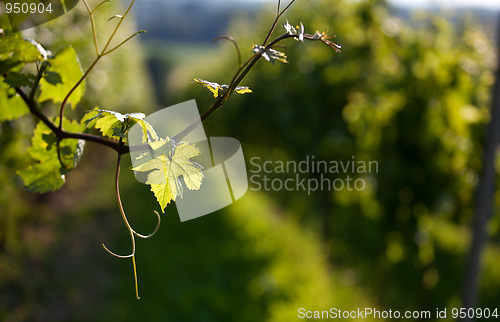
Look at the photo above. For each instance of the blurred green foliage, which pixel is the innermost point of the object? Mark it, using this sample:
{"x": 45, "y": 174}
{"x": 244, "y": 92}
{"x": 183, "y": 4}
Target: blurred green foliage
{"x": 246, "y": 264}
{"x": 120, "y": 83}
{"x": 41, "y": 247}
{"x": 412, "y": 95}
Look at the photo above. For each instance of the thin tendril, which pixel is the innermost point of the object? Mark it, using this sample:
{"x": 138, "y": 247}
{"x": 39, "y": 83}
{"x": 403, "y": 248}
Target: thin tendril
{"x": 124, "y": 217}
{"x": 92, "y": 22}
{"x": 123, "y": 42}
{"x": 278, "y": 16}
{"x": 231, "y": 39}
{"x": 115, "y": 254}
{"x": 100, "y": 4}
{"x": 118, "y": 26}
{"x": 132, "y": 232}
{"x": 154, "y": 231}
{"x": 99, "y": 55}
{"x": 286, "y": 8}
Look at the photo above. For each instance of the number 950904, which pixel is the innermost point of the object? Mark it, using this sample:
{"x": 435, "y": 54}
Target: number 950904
{"x": 17, "y": 7}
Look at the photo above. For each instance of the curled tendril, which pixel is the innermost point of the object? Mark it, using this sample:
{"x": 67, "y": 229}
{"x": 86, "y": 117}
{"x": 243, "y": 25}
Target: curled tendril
{"x": 154, "y": 231}
{"x": 115, "y": 254}
{"x": 100, "y": 4}
{"x": 132, "y": 232}
{"x": 231, "y": 39}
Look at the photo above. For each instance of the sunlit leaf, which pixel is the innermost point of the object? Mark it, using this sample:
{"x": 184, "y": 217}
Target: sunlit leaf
{"x": 271, "y": 55}
{"x": 108, "y": 121}
{"x": 211, "y": 86}
{"x": 166, "y": 162}
{"x": 11, "y": 104}
{"x": 115, "y": 125}
{"x": 14, "y": 51}
{"x": 43, "y": 144}
{"x": 67, "y": 66}
{"x": 242, "y": 90}
{"x": 218, "y": 89}
{"x": 48, "y": 173}
{"x": 40, "y": 178}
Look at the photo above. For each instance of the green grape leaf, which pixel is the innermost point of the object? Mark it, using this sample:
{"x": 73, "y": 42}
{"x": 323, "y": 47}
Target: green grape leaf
{"x": 67, "y": 66}
{"x": 43, "y": 145}
{"x": 89, "y": 119}
{"x": 118, "y": 132}
{"x": 211, "y": 86}
{"x": 15, "y": 51}
{"x": 108, "y": 121}
{"x": 115, "y": 125}
{"x": 166, "y": 162}
{"x": 12, "y": 105}
{"x": 242, "y": 90}
{"x": 271, "y": 55}
{"x": 48, "y": 173}
{"x": 40, "y": 178}
{"x": 218, "y": 89}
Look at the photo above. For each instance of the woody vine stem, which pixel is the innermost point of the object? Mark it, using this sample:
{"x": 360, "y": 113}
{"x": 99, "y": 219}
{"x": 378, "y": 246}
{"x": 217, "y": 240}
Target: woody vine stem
{"x": 265, "y": 50}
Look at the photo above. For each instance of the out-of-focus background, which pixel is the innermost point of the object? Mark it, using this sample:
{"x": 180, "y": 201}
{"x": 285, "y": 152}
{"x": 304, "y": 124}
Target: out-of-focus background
{"x": 411, "y": 90}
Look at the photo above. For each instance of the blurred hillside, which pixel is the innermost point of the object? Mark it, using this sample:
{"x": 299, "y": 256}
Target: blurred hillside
{"x": 188, "y": 21}
{"x": 181, "y": 32}
{"x": 201, "y": 21}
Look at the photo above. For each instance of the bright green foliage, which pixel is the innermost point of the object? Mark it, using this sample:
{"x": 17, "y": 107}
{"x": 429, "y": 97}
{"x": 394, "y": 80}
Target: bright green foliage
{"x": 115, "y": 125}
{"x": 14, "y": 51}
{"x": 41, "y": 178}
{"x": 11, "y": 105}
{"x": 167, "y": 165}
{"x": 249, "y": 262}
{"x": 127, "y": 88}
{"x": 67, "y": 66}
{"x": 49, "y": 173}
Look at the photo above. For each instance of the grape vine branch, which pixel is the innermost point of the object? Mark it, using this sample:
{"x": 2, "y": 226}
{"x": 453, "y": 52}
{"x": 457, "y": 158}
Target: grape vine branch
{"x": 46, "y": 175}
